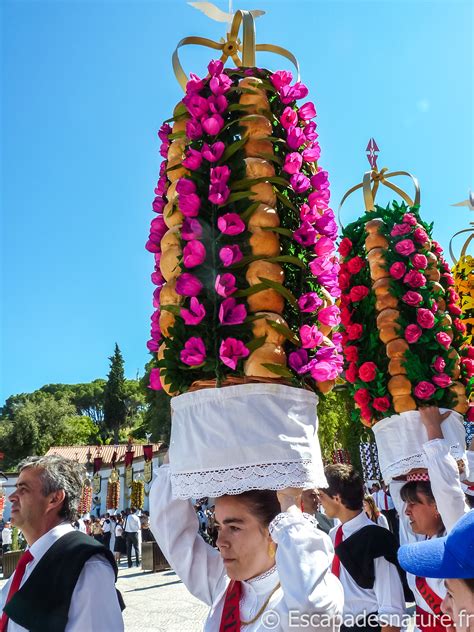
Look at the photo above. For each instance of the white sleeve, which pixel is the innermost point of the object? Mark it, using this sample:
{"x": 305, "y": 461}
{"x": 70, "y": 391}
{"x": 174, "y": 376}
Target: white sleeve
{"x": 303, "y": 558}
{"x": 175, "y": 525}
{"x": 94, "y": 602}
{"x": 388, "y": 589}
{"x": 445, "y": 484}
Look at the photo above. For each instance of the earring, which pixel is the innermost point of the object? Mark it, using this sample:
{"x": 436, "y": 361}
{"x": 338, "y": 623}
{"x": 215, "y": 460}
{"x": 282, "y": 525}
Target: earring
{"x": 271, "y": 549}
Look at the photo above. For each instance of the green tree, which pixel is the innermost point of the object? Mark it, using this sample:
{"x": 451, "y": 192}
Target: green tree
{"x": 115, "y": 408}
{"x": 157, "y": 415}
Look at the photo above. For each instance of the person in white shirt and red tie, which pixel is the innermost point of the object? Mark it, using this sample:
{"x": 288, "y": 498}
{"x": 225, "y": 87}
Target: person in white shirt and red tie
{"x": 65, "y": 580}
{"x": 365, "y": 559}
{"x": 384, "y": 502}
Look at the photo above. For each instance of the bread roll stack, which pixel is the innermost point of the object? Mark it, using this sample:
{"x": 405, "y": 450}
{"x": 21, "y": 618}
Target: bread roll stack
{"x": 401, "y": 333}
{"x": 243, "y": 240}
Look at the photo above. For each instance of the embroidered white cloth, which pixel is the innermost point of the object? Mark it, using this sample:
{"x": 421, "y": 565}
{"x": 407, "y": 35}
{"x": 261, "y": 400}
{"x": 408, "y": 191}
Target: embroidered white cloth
{"x": 400, "y": 442}
{"x": 250, "y": 436}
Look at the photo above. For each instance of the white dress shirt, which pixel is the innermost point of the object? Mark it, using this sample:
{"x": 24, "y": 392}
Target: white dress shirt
{"x": 6, "y": 535}
{"x": 386, "y": 597}
{"x": 132, "y": 524}
{"x": 382, "y": 521}
{"x": 450, "y": 502}
{"x": 94, "y": 604}
{"x": 302, "y": 565}
{"x": 380, "y": 498}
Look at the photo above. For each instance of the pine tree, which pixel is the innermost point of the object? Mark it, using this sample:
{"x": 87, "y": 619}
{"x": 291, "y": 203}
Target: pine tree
{"x": 115, "y": 410}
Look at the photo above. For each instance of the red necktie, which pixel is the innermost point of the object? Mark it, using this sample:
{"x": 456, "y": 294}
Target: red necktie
{"x": 336, "y": 562}
{"x": 15, "y": 585}
{"x": 230, "y": 619}
{"x": 386, "y": 501}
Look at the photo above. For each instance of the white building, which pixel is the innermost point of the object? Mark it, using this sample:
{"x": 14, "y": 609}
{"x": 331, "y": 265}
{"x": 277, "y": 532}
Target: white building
{"x": 85, "y": 454}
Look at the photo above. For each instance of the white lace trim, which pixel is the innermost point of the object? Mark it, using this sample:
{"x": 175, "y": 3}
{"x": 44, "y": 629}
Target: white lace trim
{"x": 236, "y": 480}
{"x": 262, "y": 576}
{"x": 403, "y": 466}
{"x": 290, "y": 519}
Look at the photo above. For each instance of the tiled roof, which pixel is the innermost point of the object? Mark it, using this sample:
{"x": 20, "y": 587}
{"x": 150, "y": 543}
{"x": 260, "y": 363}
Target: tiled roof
{"x": 79, "y": 452}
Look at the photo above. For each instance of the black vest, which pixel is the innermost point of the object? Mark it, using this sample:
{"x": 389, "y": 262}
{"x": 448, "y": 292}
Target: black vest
{"x": 42, "y": 603}
{"x": 358, "y": 552}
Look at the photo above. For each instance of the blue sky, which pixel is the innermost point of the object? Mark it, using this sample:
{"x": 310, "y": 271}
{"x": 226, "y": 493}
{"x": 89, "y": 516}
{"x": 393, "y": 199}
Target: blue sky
{"x": 85, "y": 87}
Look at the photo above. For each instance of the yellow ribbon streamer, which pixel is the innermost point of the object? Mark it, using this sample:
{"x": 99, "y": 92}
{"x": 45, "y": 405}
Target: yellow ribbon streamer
{"x": 370, "y": 184}
{"x": 232, "y": 46}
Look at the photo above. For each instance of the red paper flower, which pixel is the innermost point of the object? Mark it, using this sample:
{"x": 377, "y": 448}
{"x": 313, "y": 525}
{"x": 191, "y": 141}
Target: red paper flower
{"x": 368, "y": 371}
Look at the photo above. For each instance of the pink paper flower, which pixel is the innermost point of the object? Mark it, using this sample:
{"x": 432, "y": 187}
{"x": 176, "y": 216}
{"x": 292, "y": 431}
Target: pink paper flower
{"x": 424, "y": 390}
{"x": 184, "y": 186}
{"x": 281, "y": 78}
{"x": 225, "y": 284}
{"x": 307, "y": 111}
{"x": 320, "y": 266}
{"x": 230, "y": 255}
{"x": 196, "y": 105}
{"x": 195, "y": 84}
{"x": 319, "y": 199}
{"x": 193, "y": 159}
{"x": 329, "y": 316}
{"x": 188, "y": 285}
{"x": 420, "y": 236}
{"x": 293, "y": 162}
{"x": 193, "y": 129}
{"x": 326, "y": 225}
{"x": 230, "y": 224}
{"x": 232, "y": 313}
{"x": 289, "y": 118}
{"x": 220, "y": 175}
{"x": 409, "y": 218}
{"x": 309, "y": 302}
{"x": 414, "y": 279}
{"x": 217, "y": 104}
{"x": 305, "y": 234}
{"x": 323, "y": 371}
{"x": 194, "y": 352}
{"x": 299, "y": 182}
{"x": 419, "y": 261}
{"x": 191, "y": 229}
{"x": 152, "y": 345}
{"x": 295, "y": 137}
{"x": 443, "y": 339}
{"x": 231, "y": 351}
{"x": 412, "y": 333}
{"x": 164, "y": 132}
{"x": 213, "y": 152}
{"x": 194, "y": 253}
{"x": 442, "y": 380}
{"x": 312, "y": 153}
{"x": 220, "y": 84}
{"x": 194, "y": 314}
{"x": 405, "y": 247}
{"x": 324, "y": 246}
{"x": 212, "y": 124}
{"x": 215, "y": 67}
{"x": 400, "y": 229}
{"x": 439, "y": 364}
{"x": 189, "y": 205}
{"x": 298, "y": 361}
{"x": 412, "y": 298}
{"x": 218, "y": 194}
{"x": 310, "y": 336}
{"x": 155, "y": 382}
{"x": 425, "y": 318}
{"x": 320, "y": 181}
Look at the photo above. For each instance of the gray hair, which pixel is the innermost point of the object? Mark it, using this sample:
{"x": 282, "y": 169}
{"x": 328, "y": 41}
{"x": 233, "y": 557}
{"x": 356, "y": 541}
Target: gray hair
{"x": 56, "y": 473}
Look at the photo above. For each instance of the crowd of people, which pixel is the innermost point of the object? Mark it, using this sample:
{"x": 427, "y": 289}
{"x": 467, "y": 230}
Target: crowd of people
{"x": 346, "y": 556}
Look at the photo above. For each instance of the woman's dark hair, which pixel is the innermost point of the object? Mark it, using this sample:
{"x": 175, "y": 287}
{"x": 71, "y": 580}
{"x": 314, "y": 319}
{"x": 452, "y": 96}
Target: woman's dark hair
{"x": 410, "y": 491}
{"x": 346, "y": 481}
{"x": 263, "y": 504}
{"x": 469, "y": 583}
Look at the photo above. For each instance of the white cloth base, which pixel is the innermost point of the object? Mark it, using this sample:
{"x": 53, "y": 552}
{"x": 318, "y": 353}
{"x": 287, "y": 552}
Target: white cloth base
{"x": 250, "y": 436}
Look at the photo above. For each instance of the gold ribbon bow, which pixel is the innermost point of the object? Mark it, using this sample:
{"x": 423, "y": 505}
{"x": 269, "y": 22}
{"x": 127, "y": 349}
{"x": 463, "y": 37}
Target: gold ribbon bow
{"x": 232, "y": 46}
{"x": 370, "y": 184}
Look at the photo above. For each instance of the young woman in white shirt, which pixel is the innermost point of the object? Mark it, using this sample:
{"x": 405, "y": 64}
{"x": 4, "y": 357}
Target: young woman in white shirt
{"x": 272, "y": 566}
